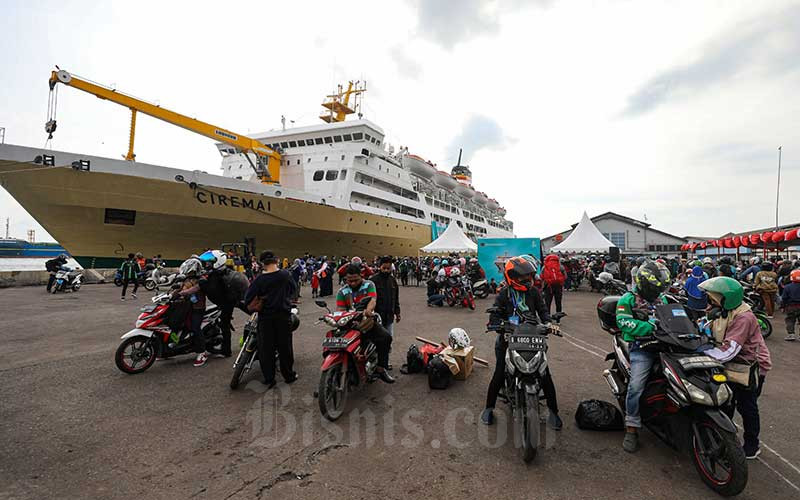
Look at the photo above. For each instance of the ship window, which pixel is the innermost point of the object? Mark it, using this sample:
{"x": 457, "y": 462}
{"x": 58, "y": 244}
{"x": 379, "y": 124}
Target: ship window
{"x": 342, "y": 157}
{"x": 337, "y": 138}
{"x": 318, "y": 175}
{"x": 318, "y": 140}
{"x": 120, "y": 216}
{"x": 331, "y": 175}
{"x": 343, "y": 175}
{"x": 328, "y": 140}
{"x": 373, "y": 140}
{"x": 292, "y": 144}
{"x": 275, "y": 146}
{"x": 378, "y": 143}
{"x": 298, "y": 161}
{"x": 358, "y": 136}
{"x": 309, "y": 160}
{"x": 347, "y": 137}
{"x": 326, "y": 159}
{"x": 367, "y": 136}
{"x": 301, "y": 142}
{"x": 284, "y": 145}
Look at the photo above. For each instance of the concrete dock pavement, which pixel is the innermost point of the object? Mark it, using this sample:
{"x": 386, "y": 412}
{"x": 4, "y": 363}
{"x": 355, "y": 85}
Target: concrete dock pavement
{"x": 73, "y": 426}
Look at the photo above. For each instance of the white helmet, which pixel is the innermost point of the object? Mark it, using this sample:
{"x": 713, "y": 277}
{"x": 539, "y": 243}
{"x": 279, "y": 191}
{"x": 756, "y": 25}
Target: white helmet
{"x": 214, "y": 259}
{"x": 605, "y": 277}
{"x": 755, "y": 260}
{"x": 455, "y": 272}
{"x": 707, "y": 260}
{"x": 458, "y": 338}
{"x": 191, "y": 267}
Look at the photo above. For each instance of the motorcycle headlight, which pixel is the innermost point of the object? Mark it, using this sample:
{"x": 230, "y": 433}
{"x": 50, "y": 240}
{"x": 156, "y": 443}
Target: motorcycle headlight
{"x": 525, "y": 366}
{"x": 330, "y": 321}
{"x": 723, "y": 394}
{"x": 343, "y": 321}
{"x": 698, "y": 395}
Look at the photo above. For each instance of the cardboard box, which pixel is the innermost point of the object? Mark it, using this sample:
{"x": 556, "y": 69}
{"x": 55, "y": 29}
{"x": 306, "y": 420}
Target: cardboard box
{"x": 464, "y": 358}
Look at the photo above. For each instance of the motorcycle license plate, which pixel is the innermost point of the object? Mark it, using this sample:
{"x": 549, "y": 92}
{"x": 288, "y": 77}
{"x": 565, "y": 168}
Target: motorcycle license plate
{"x": 335, "y": 343}
{"x": 527, "y": 342}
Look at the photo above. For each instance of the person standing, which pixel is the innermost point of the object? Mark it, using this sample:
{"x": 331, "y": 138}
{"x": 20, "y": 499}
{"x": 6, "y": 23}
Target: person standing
{"x": 553, "y": 277}
{"x": 130, "y": 271}
{"x": 766, "y": 283}
{"x": 790, "y": 299}
{"x": 388, "y": 306}
{"x": 277, "y": 289}
{"x": 739, "y": 338}
{"x": 697, "y": 298}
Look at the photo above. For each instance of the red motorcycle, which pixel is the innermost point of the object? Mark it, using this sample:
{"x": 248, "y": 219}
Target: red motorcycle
{"x": 153, "y": 336}
{"x": 459, "y": 291}
{"x": 348, "y": 362}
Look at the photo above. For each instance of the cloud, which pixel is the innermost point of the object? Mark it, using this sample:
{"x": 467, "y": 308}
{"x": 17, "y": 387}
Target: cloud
{"x": 741, "y": 158}
{"x": 449, "y": 22}
{"x": 770, "y": 43}
{"x": 406, "y": 66}
{"x": 479, "y": 132}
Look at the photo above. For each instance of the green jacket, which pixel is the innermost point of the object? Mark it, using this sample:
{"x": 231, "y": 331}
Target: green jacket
{"x": 631, "y": 327}
{"x": 129, "y": 269}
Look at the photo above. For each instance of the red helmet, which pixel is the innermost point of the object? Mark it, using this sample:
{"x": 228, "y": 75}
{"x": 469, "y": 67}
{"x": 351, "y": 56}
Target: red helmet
{"x": 795, "y": 276}
{"x": 519, "y": 274}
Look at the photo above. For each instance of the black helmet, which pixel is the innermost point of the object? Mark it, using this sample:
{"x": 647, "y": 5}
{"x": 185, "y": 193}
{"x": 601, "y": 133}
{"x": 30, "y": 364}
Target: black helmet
{"x": 725, "y": 260}
{"x": 294, "y": 322}
{"x": 439, "y": 374}
{"x": 640, "y": 261}
{"x": 652, "y": 279}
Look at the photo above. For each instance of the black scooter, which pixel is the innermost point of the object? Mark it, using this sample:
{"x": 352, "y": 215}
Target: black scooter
{"x": 683, "y": 400}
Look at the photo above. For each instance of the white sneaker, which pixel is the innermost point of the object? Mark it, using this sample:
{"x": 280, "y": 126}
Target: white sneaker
{"x": 201, "y": 359}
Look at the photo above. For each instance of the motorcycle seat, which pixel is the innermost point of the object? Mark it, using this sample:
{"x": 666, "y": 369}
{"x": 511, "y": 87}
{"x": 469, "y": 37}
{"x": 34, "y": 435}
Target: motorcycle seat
{"x": 626, "y": 349}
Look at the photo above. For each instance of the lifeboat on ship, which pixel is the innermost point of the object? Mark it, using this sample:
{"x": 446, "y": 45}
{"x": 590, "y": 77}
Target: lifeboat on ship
{"x": 419, "y": 166}
{"x": 465, "y": 191}
{"x": 492, "y": 204}
{"x": 444, "y": 180}
{"x": 502, "y": 211}
{"x": 481, "y": 198}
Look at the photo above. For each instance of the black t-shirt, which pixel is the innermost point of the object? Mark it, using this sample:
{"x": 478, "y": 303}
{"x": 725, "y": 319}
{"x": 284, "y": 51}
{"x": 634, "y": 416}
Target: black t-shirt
{"x": 276, "y": 288}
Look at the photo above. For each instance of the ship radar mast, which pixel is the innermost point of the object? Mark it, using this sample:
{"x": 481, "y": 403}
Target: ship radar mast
{"x": 338, "y": 104}
{"x": 462, "y": 173}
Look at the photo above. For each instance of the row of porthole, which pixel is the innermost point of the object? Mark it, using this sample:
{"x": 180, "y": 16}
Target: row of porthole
{"x": 396, "y": 226}
{"x": 381, "y": 243}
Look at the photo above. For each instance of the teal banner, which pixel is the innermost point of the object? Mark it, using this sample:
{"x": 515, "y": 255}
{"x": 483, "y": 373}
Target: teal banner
{"x": 494, "y": 252}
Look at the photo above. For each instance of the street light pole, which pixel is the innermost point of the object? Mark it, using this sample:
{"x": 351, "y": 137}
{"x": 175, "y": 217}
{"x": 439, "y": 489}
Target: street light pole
{"x": 778, "y": 190}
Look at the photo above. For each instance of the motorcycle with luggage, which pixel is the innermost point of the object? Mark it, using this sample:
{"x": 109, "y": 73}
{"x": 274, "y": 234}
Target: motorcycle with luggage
{"x": 685, "y": 394}
{"x": 526, "y": 365}
{"x": 163, "y": 331}
{"x": 349, "y": 361}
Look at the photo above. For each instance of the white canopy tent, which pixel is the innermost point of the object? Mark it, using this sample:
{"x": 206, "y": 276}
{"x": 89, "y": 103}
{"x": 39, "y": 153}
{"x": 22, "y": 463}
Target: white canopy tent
{"x": 584, "y": 238}
{"x": 452, "y": 239}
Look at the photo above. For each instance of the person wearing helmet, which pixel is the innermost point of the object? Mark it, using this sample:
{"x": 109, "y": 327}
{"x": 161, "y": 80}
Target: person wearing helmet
{"x": 276, "y": 287}
{"x": 790, "y": 299}
{"x": 224, "y": 287}
{"x": 130, "y": 271}
{"x": 191, "y": 270}
{"x": 735, "y": 329}
{"x": 726, "y": 267}
{"x": 53, "y": 266}
{"x": 752, "y": 270}
{"x": 651, "y": 281}
{"x": 709, "y": 268}
{"x": 519, "y": 296}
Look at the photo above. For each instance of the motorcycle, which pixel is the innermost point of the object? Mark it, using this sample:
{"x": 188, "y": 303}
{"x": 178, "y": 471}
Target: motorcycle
{"x": 575, "y": 278}
{"x": 157, "y": 279}
{"x": 154, "y": 338}
{"x": 683, "y": 399}
{"x": 249, "y": 343}
{"x": 459, "y": 291}
{"x": 480, "y": 287}
{"x": 348, "y": 361}
{"x": 526, "y": 363}
{"x": 67, "y": 279}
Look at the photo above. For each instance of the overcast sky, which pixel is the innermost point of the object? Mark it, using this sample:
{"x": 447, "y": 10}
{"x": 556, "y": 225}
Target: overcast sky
{"x": 671, "y": 109}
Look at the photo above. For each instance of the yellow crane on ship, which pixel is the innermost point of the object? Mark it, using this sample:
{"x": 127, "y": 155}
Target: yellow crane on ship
{"x": 267, "y": 161}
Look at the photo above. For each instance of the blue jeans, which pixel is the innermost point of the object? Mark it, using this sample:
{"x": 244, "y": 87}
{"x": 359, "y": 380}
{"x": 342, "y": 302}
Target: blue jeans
{"x": 641, "y": 364}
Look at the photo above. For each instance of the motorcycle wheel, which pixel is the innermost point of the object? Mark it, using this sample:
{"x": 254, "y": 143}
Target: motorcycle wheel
{"x": 118, "y": 281}
{"x": 135, "y": 354}
{"x": 332, "y": 393}
{"x": 482, "y": 293}
{"x": 242, "y": 360}
{"x": 150, "y": 285}
{"x": 526, "y": 417}
{"x": 765, "y": 325}
{"x": 719, "y": 459}
{"x": 76, "y": 287}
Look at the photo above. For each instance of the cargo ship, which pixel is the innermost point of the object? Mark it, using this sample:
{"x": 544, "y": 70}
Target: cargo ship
{"x": 12, "y": 247}
{"x": 342, "y": 191}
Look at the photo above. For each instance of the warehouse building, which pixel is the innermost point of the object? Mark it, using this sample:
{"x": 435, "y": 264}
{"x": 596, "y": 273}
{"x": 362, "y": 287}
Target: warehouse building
{"x": 632, "y": 236}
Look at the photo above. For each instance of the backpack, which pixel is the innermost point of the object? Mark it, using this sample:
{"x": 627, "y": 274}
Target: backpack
{"x": 596, "y": 415}
{"x": 414, "y": 361}
{"x": 439, "y": 374}
{"x": 552, "y": 273}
